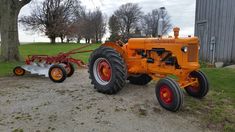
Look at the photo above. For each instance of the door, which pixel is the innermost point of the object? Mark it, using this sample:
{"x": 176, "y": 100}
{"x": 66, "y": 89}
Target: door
{"x": 201, "y": 32}
{"x": 233, "y": 45}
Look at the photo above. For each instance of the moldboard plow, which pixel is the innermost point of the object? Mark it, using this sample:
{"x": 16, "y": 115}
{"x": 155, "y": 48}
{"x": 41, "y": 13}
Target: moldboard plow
{"x": 57, "y": 67}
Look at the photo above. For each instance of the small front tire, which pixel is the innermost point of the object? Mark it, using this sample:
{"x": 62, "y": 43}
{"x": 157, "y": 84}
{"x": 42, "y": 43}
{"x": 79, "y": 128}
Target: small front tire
{"x": 169, "y": 94}
{"x": 201, "y": 89}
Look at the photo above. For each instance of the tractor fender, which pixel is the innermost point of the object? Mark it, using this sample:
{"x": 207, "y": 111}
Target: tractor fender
{"x": 120, "y": 49}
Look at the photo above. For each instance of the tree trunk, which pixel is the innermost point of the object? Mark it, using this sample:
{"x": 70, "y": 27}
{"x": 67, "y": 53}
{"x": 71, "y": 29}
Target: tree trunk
{"x": 52, "y": 40}
{"x": 96, "y": 38}
{"x": 9, "y": 33}
{"x": 62, "y": 39}
{"x": 9, "y": 11}
{"x": 78, "y": 40}
{"x": 68, "y": 40}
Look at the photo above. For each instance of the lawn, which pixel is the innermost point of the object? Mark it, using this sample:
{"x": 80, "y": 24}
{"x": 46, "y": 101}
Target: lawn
{"x": 44, "y": 48}
{"x": 217, "y": 109}
{"x": 53, "y": 49}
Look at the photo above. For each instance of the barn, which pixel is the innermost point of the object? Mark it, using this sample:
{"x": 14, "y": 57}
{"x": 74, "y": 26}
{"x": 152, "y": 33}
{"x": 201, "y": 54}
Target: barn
{"x": 215, "y": 26}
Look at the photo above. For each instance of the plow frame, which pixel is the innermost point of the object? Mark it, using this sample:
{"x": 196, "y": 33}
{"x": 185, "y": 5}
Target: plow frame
{"x": 60, "y": 58}
{"x": 57, "y": 67}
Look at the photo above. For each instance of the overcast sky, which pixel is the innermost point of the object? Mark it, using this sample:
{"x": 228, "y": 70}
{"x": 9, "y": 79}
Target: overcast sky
{"x": 182, "y": 14}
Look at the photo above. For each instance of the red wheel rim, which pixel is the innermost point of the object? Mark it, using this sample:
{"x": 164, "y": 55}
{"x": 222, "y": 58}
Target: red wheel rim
{"x": 104, "y": 70}
{"x": 166, "y": 94}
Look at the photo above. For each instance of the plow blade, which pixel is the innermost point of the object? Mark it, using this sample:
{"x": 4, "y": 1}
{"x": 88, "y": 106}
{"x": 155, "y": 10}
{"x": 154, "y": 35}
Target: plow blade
{"x": 39, "y": 69}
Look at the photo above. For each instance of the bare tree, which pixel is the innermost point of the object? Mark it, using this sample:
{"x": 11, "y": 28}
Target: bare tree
{"x": 128, "y": 15}
{"x": 67, "y": 14}
{"x": 90, "y": 25}
{"x": 74, "y": 33}
{"x": 150, "y": 22}
{"x": 9, "y": 11}
{"x": 86, "y": 26}
{"x": 114, "y": 25}
{"x": 75, "y": 29}
{"x": 51, "y": 17}
{"x": 115, "y": 28}
{"x": 99, "y": 25}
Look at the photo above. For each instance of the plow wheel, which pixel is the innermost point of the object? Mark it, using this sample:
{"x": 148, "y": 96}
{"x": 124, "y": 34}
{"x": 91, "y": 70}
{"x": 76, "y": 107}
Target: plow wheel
{"x": 57, "y": 73}
{"x": 69, "y": 69}
{"x": 169, "y": 94}
{"x": 18, "y": 71}
{"x": 107, "y": 70}
{"x": 201, "y": 89}
{"x": 142, "y": 79}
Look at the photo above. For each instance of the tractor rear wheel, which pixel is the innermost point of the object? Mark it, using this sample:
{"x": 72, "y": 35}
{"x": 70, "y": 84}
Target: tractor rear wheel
{"x": 107, "y": 70}
{"x": 201, "y": 89}
{"x": 142, "y": 79}
{"x": 18, "y": 71}
{"x": 57, "y": 73}
{"x": 169, "y": 94}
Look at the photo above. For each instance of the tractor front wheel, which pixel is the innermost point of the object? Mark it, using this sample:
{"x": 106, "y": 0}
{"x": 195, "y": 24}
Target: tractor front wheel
{"x": 142, "y": 79}
{"x": 57, "y": 73}
{"x": 201, "y": 89}
{"x": 107, "y": 70}
{"x": 19, "y": 71}
{"x": 169, "y": 94}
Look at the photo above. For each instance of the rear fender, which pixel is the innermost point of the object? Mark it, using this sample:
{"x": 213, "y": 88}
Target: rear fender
{"x": 117, "y": 47}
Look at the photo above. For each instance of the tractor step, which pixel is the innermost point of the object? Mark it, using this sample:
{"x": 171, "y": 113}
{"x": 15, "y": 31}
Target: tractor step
{"x": 39, "y": 69}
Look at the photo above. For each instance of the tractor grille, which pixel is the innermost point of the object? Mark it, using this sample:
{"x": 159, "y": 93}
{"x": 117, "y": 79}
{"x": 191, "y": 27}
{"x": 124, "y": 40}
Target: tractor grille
{"x": 192, "y": 53}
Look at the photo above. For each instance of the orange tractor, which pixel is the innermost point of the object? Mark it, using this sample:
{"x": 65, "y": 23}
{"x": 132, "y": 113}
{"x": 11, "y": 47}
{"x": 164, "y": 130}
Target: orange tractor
{"x": 144, "y": 59}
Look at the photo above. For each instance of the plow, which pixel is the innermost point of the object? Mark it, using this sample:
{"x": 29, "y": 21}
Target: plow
{"x": 139, "y": 61}
{"x": 57, "y": 67}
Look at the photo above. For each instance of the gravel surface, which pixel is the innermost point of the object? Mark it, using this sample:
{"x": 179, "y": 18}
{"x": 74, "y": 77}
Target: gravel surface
{"x": 35, "y": 104}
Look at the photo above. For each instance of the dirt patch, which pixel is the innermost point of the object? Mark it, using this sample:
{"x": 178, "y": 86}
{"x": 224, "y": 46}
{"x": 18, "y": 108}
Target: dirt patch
{"x": 33, "y": 103}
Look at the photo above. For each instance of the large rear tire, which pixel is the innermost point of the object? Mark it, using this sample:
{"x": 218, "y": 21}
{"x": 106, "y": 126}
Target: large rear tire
{"x": 107, "y": 70}
{"x": 142, "y": 79}
{"x": 57, "y": 73}
{"x": 200, "y": 90}
{"x": 169, "y": 94}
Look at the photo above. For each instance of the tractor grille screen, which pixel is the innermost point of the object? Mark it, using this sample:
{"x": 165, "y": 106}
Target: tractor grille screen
{"x": 192, "y": 53}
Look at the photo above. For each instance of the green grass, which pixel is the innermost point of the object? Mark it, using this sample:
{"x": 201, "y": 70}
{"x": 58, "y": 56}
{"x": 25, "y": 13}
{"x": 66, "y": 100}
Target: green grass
{"x": 53, "y": 49}
{"x": 217, "y": 109}
{"x": 6, "y": 68}
{"x": 44, "y": 48}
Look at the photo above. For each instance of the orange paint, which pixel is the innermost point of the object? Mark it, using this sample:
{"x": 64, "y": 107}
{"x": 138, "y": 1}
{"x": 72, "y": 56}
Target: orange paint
{"x": 144, "y": 55}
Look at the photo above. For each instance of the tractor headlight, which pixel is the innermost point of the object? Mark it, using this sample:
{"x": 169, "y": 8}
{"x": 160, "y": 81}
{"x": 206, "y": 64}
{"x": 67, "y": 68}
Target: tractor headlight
{"x": 184, "y": 49}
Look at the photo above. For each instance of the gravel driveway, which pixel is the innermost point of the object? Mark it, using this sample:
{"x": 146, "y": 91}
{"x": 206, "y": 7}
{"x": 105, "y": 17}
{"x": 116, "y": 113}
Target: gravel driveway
{"x": 35, "y": 104}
